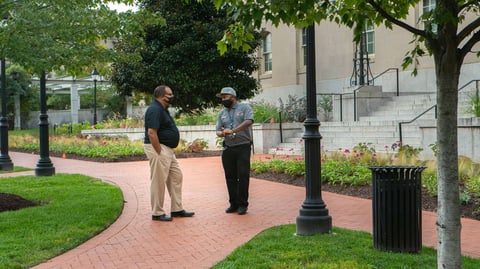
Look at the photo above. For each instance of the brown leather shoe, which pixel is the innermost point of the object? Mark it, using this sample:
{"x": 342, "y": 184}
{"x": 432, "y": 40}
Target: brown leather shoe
{"x": 183, "y": 213}
{"x": 162, "y": 217}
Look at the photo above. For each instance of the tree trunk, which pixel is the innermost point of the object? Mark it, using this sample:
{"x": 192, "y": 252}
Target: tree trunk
{"x": 447, "y": 69}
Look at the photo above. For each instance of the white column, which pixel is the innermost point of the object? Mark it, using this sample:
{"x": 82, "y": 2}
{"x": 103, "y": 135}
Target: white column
{"x": 18, "y": 120}
{"x": 128, "y": 99}
{"x": 74, "y": 102}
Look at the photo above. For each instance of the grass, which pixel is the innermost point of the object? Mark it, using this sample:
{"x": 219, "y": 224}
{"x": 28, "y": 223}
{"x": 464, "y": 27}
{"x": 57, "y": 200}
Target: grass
{"x": 15, "y": 169}
{"x": 278, "y": 247}
{"x": 73, "y": 209}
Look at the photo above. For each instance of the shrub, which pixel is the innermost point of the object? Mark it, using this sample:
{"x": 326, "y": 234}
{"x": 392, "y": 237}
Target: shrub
{"x": 264, "y": 112}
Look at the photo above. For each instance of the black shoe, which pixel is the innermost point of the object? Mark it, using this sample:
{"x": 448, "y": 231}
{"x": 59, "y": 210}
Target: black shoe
{"x": 242, "y": 210}
{"x": 182, "y": 213}
{"x": 231, "y": 209}
{"x": 163, "y": 217}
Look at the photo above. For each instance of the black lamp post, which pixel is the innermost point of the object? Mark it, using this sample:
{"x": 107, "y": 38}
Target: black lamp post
{"x": 313, "y": 216}
{"x": 44, "y": 165}
{"x": 5, "y": 161}
{"x": 95, "y": 76}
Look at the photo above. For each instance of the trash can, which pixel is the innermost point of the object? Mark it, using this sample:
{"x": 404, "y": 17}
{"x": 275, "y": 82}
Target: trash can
{"x": 397, "y": 208}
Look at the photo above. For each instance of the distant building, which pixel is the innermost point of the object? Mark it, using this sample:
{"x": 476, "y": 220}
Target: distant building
{"x": 282, "y": 70}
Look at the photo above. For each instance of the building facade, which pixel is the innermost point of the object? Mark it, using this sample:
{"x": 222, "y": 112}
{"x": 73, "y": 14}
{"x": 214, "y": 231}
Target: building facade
{"x": 282, "y": 71}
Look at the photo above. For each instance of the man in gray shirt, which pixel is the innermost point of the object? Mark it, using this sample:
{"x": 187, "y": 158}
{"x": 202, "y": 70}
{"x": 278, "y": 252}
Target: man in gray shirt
{"x": 234, "y": 125}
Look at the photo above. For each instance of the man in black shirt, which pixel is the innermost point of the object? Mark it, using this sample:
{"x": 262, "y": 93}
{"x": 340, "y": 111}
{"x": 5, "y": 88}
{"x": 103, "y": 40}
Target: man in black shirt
{"x": 161, "y": 137}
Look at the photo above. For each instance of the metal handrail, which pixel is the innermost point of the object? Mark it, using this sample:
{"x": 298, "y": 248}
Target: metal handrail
{"x": 468, "y": 83}
{"x": 388, "y": 69}
{"x": 341, "y": 101}
{"x": 434, "y": 106}
{"x": 414, "y": 119}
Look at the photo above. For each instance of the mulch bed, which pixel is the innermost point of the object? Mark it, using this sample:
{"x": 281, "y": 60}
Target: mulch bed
{"x": 429, "y": 203}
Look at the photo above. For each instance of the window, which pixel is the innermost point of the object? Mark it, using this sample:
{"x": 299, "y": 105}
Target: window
{"x": 304, "y": 45}
{"x": 369, "y": 35}
{"x": 428, "y": 6}
{"x": 267, "y": 53}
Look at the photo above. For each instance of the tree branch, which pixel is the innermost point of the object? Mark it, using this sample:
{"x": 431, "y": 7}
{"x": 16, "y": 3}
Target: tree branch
{"x": 467, "y": 4}
{"x": 468, "y": 29}
{"x": 399, "y": 23}
{"x": 470, "y": 43}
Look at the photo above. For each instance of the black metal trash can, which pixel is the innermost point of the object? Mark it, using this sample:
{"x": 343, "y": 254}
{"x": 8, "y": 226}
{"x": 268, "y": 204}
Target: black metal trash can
{"x": 397, "y": 208}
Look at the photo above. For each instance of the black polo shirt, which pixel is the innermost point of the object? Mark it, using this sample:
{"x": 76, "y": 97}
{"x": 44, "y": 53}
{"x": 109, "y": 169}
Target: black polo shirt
{"x": 157, "y": 117}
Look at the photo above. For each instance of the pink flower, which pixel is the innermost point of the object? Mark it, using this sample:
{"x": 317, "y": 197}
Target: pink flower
{"x": 347, "y": 151}
{"x": 104, "y": 143}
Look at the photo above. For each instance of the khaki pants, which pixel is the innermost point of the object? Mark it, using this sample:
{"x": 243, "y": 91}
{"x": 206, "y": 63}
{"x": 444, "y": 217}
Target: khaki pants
{"x": 164, "y": 171}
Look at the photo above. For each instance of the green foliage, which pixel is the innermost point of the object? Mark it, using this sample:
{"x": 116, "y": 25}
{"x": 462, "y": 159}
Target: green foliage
{"x": 294, "y": 110}
{"x": 264, "y": 112}
{"x": 70, "y": 128}
{"x": 35, "y": 234}
{"x": 196, "y": 145}
{"x": 67, "y": 140}
{"x": 465, "y": 197}
{"x": 183, "y": 55}
{"x": 345, "y": 174}
{"x": 18, "y": 83}
{"x": 204, "y": 117}
{"x": 434, "y": 149}
{"x": 473, "y": 185}
{"x": 326, "y": 106}
{"x": 350, "y": 167}
{"x": 474, "y": 104}
{"x": 65, "y": 34}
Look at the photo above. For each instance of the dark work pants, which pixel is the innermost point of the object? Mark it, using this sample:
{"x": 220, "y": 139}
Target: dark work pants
{"x": 236, "y": 163}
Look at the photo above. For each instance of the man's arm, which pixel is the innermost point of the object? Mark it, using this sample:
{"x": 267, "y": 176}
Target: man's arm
{"x": 242, "y": 126}
{"x": 152, "y": 134}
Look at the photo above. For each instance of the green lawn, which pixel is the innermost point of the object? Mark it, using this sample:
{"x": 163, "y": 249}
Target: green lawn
{"x": 279, "y": 247}
{"x": 73, "y": 209}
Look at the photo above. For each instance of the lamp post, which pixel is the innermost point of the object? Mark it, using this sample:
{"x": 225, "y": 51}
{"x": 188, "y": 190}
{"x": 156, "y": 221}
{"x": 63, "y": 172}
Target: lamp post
{"x": 44, "y": 165}
{"x": 313, "y": 216}
{"x": 95, "y": 76}
{"x": 5, "y": 161}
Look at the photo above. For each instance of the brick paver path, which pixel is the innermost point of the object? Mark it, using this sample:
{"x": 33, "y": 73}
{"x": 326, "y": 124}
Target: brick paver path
{"x": 135, "y": 241}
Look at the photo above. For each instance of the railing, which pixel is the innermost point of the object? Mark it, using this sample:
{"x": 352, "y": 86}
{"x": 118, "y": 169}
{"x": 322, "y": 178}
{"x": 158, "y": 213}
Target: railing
{"x": 414, "y": 119}
{"x": 434, "y": 106}
{"x": 397, "y": 79}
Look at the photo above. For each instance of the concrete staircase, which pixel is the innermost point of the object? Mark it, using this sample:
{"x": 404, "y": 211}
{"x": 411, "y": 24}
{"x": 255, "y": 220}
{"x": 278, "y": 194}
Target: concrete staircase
{"x": 379, "y": 129}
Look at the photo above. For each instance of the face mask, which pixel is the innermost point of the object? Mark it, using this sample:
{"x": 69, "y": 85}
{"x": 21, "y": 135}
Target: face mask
{"x": 170, "y": 100}
{"x": 227, "y": 103}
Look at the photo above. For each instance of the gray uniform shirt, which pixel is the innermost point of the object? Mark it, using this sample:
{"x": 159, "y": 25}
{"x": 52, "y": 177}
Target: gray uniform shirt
{"x": 230, "y": 118}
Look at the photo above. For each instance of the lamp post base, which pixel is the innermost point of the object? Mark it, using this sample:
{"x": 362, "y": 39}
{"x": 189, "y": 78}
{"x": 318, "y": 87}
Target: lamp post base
{"x": 44, "y": 168}
{"x": 313, "y": 221}
{"x": 6, "y": 164}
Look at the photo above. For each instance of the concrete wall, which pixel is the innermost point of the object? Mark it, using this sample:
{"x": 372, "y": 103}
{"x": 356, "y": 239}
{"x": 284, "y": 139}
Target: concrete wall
{"x": 63, "y": 116}
{"x": 468, "y": 138}
{"x": 265, "y": 136}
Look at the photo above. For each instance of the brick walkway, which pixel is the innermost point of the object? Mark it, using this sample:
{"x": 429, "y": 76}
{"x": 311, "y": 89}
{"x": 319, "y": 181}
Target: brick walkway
{"x": 134, "y": 241}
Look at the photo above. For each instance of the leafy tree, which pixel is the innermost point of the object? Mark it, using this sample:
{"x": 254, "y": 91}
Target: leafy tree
{"x": 19, "y": 84}
{"x": 183, "y": 55}
{"x": 448, "y": 43}
{"x": 64, "y": 36}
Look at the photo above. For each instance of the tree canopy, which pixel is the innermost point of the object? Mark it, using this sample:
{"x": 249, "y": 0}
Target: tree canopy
{"x": 60, "y": 35}
{"x": 448, "y": 32}
{"x": 183, "y": 54}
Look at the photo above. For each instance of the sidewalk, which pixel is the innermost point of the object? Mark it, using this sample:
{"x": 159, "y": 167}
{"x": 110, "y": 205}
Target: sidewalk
{"x": 135, "y": 241}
